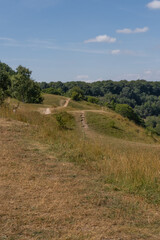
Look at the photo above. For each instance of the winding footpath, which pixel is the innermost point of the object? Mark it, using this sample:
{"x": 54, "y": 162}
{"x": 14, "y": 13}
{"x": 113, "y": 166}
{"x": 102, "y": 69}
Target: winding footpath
{"x": 47, "y": 111}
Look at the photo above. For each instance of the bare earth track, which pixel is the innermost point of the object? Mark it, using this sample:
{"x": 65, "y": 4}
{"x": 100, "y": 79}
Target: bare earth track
{"x": 47, "y": 111}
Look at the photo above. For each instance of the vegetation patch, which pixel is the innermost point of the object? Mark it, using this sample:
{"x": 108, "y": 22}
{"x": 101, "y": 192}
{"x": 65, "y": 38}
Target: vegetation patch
{"x": 113, "y": 125}
{"x": 65, "y": 120}
{"x": 53, "y": 100}
{"x": 83, "y": 105}
{"x": 131, "y": 166}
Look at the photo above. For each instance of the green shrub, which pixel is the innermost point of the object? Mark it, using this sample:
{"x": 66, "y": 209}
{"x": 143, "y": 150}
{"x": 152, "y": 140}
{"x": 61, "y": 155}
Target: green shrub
{"x": 126, "y": 111}
{"x": 52, "y": 90}
{"x": 65, "y": 120}
{"x": 112, "y": 124}
{"x": 76, "y": 94}
{"x": 4, "y": 85}
{"x": 92, "y": 99}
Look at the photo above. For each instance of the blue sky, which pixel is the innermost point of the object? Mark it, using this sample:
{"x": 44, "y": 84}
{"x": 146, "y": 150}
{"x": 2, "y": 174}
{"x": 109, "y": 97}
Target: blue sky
{"x": 88, "y": 40}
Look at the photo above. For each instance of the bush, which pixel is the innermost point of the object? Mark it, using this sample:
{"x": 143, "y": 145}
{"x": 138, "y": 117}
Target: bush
{"x": 1, "y": 96}
{"x": 76, "y": 94}
{"x": 53, "y": 91}
{"x": 112, "y": 124}
{"x": 126, "y": 111}
{"x": 153, "y": 124}
{"x": 92, "y": 99}
{"x": 4, "y": 85}
{"x": 65, "y": 120}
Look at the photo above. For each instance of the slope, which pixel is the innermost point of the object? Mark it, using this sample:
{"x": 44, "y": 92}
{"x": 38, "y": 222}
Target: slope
{"x": 44, "y": 198}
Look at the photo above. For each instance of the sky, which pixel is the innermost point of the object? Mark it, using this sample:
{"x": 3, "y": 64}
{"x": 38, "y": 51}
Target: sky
{"x": 82, "y": 40}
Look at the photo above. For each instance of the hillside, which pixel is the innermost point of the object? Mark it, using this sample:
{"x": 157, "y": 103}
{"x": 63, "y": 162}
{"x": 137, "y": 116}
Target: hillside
{"x": 77, "y": 171}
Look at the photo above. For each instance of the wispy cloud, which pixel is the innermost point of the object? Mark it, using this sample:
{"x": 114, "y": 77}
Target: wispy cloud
{"x": 150, "y": 75}
{"x": 9, "y": 42}
{"x": 154, "y": 5}
{"x": 87, "y": 79}
{"x": 50, "y": 44}
{"x": 45, "y": 44}
{"x": 130, "y": 31}
{"x": 38, "y": 4}
{"x": 82, "y": 77}
{"x": 40, "y": 42}
{"x": 34, "y": 43}
{"x": 115, "y": 52}
{"x": 148, "y": 72}
{"x": 6, "y": 39}
{"x": 128, "y": 76}
{"x": 100, "y": 39}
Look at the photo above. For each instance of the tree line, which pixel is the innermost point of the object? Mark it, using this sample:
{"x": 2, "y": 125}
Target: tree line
{"x": 138, "y": 100}
{"x": 142, "y": 96}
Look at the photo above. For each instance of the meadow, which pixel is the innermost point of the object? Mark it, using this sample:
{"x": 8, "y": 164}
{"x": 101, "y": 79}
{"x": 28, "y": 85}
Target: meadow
{"x": 126, "y": 154}
{"x": 80, "y": 169}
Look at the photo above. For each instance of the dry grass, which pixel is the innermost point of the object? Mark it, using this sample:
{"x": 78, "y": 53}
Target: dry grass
{"x": 43, "y": 198}
{"x": 53, "y": 100}
{"x": 113, "y": 125}
{"x": 133, "y": 167}
{"x": 46, "y": 198}
{"x": 82, "y": 105}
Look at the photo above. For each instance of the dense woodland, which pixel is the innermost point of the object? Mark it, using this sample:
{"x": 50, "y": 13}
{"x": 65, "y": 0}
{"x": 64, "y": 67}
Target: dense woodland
{"x": 138, "y": 100}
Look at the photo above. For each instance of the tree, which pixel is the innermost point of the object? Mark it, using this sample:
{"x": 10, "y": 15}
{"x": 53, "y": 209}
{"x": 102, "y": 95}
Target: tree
{"x": 51, "y": 90}
{"x": 4, "y": 85}
{"x": 24, "y": 88}
{"x": 93, "y": 99}
{"x": 76, "y": 94}
{"x": 4, "y": 67}
{"x": 126, "y": 111}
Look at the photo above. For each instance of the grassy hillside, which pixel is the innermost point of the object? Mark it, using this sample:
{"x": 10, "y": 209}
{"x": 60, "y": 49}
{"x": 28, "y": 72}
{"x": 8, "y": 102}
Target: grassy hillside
{"x": 121, "y": 156}
{"x": 45, "y": 198}
{"x": 114, "y": 125}
{"x": 53, "y": 100}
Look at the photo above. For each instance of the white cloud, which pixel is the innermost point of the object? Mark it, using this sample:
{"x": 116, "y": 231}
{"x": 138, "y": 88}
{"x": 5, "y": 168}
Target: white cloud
{"x": 130, "y": 31}
{"x": 115, "y": 51}
{"x": 141, "y": 30}
{"x": 131, "y": 76}
{"x": 82, "y": 77}
{"x": 6, "y": 39}
{"x": 125, "y": 30}
{"x": 154, "y": 4}
{"x": 100, "y": 39}
{"x": 148, "y": 75}
{"x": 148, "y": 72}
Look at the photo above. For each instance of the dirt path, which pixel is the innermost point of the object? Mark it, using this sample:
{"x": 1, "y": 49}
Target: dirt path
{"x": 63, "y": 105}
{"x": 104, "y": 139}
{"x": 81, "y": 117}
{"x": 83, "y": 120}
{"x": 47, "y": 111}
{"x": 66, "y": 103}
{"x": 43, "y": 198}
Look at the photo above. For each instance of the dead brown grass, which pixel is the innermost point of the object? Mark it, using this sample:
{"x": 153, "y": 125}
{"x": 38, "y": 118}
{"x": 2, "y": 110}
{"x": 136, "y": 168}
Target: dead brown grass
{"x": 43, "y": 198}
{"x": 132, "y": 166}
